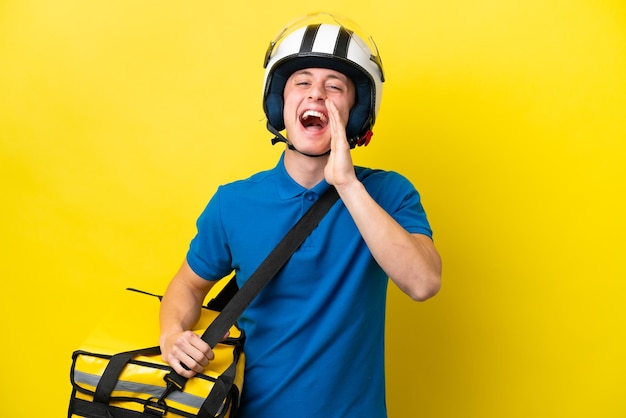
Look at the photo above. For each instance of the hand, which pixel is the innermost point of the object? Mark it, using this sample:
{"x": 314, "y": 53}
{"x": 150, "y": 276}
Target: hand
{"x": 186, "y": 353}
{"x": 339, "y": 170}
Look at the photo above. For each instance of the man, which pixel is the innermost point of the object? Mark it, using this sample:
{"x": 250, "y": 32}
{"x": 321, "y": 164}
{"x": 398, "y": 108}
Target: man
{"x": 315, "y": 333}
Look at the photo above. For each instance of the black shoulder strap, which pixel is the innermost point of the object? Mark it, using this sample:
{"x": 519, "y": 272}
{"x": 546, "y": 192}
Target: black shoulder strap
{"x": 269, "y": 267}
{"x": 232, "y": 310}
{"x": 262, "y": 275}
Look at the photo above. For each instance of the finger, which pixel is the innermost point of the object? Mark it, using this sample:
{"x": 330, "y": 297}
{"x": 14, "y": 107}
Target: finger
{"x": 183, "y": 370}
{"x": 188, "y": 365}
{"x": 194, "y": 364}
{"x": 177, "y": 365}
{"x": 332, "y": 112}
{"x": 334, "y": 124}
{"x": 338, "y": 128}
{"x": 193, "y": 352}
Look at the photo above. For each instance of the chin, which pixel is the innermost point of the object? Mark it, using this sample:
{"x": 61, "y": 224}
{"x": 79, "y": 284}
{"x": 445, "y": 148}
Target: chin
{"x": 311, "y": 143}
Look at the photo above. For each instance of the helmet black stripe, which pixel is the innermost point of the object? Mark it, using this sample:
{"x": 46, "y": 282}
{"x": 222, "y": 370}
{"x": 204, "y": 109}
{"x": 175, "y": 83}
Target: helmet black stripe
{"x": 309, "y": 38}
{"x": 343, "y": 40}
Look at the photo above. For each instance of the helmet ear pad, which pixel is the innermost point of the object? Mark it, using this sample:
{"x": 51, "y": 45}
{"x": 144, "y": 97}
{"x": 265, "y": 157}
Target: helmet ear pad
{"x": 274, "y": 103}
{"x": 360, "y": 118}
{"x": 274, "y": 110}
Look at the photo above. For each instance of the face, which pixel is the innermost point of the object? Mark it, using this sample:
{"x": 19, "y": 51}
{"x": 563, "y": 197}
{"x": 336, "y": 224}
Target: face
{"x": 305, "y": 113}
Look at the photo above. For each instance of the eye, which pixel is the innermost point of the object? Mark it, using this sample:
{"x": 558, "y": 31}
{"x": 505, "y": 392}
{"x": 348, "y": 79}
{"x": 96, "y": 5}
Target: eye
{"x": 334, "y": 87}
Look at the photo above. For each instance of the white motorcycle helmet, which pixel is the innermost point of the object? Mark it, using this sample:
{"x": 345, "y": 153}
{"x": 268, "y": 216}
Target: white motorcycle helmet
{"x": 323, "y": 40}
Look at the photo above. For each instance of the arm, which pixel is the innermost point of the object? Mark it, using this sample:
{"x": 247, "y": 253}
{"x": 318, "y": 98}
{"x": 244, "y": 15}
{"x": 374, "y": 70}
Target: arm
{"x": 410, "y": 260}
{"x": 180, "y": 310}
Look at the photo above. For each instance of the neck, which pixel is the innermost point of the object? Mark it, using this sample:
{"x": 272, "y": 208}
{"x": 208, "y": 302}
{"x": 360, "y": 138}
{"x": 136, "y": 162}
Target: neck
{"x": 305, "y": 171}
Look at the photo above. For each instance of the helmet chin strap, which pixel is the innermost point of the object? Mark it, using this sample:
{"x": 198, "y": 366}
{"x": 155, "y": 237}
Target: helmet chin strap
{"x": 280, "y": 138}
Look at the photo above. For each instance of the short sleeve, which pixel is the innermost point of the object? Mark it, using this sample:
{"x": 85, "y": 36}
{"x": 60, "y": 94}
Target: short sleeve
{"x": 209, "y": 254}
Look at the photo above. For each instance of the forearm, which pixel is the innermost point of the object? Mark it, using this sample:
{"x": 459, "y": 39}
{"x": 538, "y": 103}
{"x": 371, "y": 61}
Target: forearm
{"x": 410, "y": 260}
{"x": 180, "y": 310}
{"x": 182, "y": 301}
{"x": 181, "y": 348}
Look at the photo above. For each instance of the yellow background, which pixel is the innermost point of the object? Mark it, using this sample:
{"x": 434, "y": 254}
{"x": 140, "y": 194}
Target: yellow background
{"x": 119, "y": 118}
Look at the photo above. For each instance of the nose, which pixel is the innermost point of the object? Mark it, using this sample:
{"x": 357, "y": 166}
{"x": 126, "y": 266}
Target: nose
{"x": 317, "y": 92}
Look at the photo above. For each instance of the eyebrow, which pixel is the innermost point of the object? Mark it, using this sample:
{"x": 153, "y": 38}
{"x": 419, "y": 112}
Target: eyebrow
{"x": 343, "y": 77}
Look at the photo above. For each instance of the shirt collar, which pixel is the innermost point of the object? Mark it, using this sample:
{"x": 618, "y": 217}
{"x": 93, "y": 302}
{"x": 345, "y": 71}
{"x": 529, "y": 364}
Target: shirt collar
{"x": 288, "y": 188}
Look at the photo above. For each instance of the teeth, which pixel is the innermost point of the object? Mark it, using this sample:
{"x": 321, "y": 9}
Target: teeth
{"x": 314, "y": 113}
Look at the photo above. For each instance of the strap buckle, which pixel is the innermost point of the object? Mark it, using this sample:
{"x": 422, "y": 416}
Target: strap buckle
{"x": 155, "y": 407}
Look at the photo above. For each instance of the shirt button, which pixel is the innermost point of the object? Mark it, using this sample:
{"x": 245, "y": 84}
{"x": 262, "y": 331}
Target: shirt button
{"x": 310, "y": 196}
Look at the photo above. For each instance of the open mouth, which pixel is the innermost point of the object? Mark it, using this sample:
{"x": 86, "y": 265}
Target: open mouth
{"x": 313, "y": 119}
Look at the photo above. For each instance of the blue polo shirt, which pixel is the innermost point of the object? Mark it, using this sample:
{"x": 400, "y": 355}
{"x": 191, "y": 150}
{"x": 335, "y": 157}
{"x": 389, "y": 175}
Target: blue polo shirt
{"x": 315, "y": 333}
